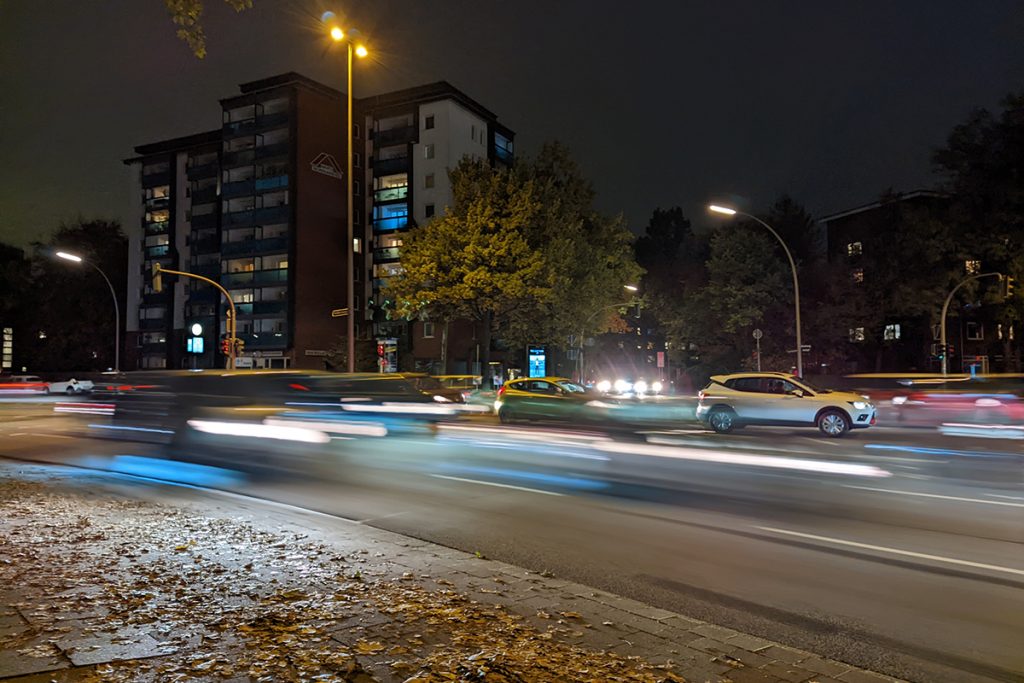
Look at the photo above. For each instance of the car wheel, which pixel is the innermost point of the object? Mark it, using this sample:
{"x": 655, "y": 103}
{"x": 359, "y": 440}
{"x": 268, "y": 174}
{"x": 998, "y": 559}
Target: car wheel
{"x": 722, "y": 420}
{"x": 833, "y": 423}
{"x": 70, "y": 391}
{"x": 505, "y": 416}
{"x": 46, "y": 391}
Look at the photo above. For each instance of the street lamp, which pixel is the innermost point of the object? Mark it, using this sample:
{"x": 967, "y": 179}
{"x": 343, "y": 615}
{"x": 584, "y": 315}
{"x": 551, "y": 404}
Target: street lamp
{"x": 945, "y": 309}
{"x": 74, "y": 258}
{"x": 351, "y": 39}
{"x": 727, "y": 211}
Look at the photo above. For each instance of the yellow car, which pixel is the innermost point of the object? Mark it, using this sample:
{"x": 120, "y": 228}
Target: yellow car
{"x": 541, "y": 398}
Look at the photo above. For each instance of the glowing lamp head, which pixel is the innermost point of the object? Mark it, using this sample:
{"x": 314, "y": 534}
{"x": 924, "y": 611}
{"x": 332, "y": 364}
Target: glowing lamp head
{"x": 361, "y": 51}
{"x": 630, "y": 288}
{"x": 69, "y": 257}
{"x": 337, "y": 34}
{"x": 724, "y": 210}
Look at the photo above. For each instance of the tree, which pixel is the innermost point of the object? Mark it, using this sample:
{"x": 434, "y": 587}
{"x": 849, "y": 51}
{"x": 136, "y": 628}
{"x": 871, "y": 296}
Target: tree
{"x": 72, "y": 317}
{"x": 188, "y": 14}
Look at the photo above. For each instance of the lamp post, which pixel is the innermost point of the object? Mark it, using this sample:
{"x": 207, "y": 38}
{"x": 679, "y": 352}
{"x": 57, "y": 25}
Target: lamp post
{"x": 351, "y": 39}
{"x": 945, "y": 309}
{"x": 74, "y": 258}
{"x": 727, "y": 211}
{"x": 579, "y": 358}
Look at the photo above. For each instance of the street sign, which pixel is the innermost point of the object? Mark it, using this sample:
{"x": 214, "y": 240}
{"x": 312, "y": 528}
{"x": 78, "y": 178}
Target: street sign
{"x": 339, "y": 312}
{"x": 805, "y": 348}
{"x": 318, "y": 353}
{"x": 758, "y": 333}
{"x": 661, "y": 359}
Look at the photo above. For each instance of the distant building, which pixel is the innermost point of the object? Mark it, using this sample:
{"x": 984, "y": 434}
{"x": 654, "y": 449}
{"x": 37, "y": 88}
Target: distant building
{"x": 259, "y": 206}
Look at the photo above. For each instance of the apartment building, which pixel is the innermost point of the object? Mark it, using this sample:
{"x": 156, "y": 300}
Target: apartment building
{"x": 259, "y": 206}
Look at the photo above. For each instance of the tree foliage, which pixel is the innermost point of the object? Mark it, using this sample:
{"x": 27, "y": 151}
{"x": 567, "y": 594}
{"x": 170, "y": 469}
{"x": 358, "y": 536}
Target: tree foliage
{"x": 187, "y": 15}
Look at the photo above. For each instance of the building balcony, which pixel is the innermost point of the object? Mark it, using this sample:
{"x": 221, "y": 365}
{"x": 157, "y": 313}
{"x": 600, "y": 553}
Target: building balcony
{"x": 157, "y": 228}
{"x": 157, "y": 203}
{"x": 236, "y": 128}
{"x": 205, "y": 294}
{"x": 390, "y": 194}
{"x": 209, "y": 170}
{"x": 254, "y": 278}
{"x": 155, "y": 179}
{"x": 389, "y": 166}
{"x": 155, "y": 298}
{"x": 204, "y": 196}
{"x": 394, "y": 136}
{"x": 238, "y": 188}
{"x": 385, "y": 254}
{"x": 207, "y": 245}
{"x": 379, "y": 282}
{"x": 265, "y": 216}
{"x": 150, "y": 324}
{"x": 275, "y": 308}
{"x": 503, "y": 155}
{"x": 203, "y": 220}
{"x": 277, "y": 182}
{"x": 250, "y": 247}
{"x": 241, "y": 157}
{"x": 211, "y": 271}
{"x": 268, "y": 151}
{"x": 384, "y": 224}
{"x": 156, "y": 251}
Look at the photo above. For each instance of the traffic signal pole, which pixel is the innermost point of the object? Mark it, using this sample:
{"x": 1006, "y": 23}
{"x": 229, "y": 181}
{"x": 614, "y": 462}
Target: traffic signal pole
{"x": 232, "y": 319}
{"x": 945, "y": 309}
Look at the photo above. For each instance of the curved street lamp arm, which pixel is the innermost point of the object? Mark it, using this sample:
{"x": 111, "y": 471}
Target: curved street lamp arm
{"x": 945, "y": 309}
{"x": 117, "y": 316}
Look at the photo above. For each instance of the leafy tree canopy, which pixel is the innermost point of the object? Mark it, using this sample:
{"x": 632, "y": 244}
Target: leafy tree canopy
{"x": 187, "y": 15}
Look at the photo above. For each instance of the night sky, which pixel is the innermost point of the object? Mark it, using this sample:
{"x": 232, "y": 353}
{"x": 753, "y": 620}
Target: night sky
{"x": 662, "y": 103}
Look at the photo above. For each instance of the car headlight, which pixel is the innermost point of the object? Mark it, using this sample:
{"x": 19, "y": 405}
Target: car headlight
{"x": 899, "y": 400}
{"x": 604, "y": 386}
{"x": 622, "y": 386}
{"x": 859, "y": 405}
{"x": 656, "y": 387}
{"x": 441, "y": 399}
{"x": 640, "y": 387}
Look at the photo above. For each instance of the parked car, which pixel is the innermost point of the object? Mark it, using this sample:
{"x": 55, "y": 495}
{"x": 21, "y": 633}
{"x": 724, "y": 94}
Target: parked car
{"x": 774, "y": 398}
{"x": 70, "y": 387}
{"x": 22, "y": 384}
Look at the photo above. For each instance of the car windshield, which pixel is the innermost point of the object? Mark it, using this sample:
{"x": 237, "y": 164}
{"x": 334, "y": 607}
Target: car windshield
{"x": 572, "y": 387}
{"x": 816, "y": 389}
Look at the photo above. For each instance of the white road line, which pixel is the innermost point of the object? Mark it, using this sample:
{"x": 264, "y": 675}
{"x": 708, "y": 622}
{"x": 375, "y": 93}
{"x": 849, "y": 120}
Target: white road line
{"x": 996, "y": 495}
{"x": 492, "y": 483}
{"x": 50, "y": 436}
{"x": 935, "y": 495}
{"x": 895, "y": 551}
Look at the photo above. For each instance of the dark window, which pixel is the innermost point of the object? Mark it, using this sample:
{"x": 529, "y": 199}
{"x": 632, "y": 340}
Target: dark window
{"x": 745, "y": 384}
{"x": 428, "y": 122}
{"x": 428, "y": 211}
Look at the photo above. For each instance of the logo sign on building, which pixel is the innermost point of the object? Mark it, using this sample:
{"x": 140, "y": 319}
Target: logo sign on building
{"x": 8, "y": 348}
{"x": 538, "y": 361}
{"x": 327, "y": 165}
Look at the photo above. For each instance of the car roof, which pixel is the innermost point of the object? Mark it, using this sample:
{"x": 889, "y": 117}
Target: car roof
{"x": 549, "y": 378}
{"x": 737, "y": 375}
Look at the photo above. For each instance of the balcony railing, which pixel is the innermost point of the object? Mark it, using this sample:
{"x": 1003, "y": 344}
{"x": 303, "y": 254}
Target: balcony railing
{"x": 241, "y": 157}
{"x": 204, "y": 196}
{"x": 268, "y": 244}
{"x": 238, "y": 127}
{"x": 277, "y": 182}
{"x": 391, "y": 223}
{"x": 394, "y": 136}
{"x": 158, "y": 227}
{"x": 391, "y": 193}
{"x": 267, "y": 151}
{"x": 264, "y": 340}
{"x": 266, "y": 216}
{"x": 389, "y": 166}
{"x": 207, "y": 245}
{"x": 203, "y": 220}
{"x": 154, "y": 298}
{"x": 158, "y": 250}
{"x": 211, "y": 271}
{"x": 261, "y": 308}
{"x": 254, "y": 277}
{"x": 152, "y": 324}
{"x": 203, "y": 171}
{"x": 204, "y": 294}
{"x": 272, "y": 120}
{"x": 385, "y": 253}
{"x": 154, "y": 179}
{"x": 237, "y": 188}
{"x": 504, "y": 155}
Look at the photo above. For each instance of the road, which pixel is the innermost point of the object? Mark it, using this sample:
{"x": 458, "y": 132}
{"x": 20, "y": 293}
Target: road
{"x": 778, "y": 533}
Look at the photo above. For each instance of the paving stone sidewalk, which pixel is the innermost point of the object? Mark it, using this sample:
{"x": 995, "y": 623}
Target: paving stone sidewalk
{"x": 106, "y": 581}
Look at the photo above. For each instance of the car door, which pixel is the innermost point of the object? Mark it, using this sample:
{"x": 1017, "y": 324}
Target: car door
{"x": 789, "y": 403}
{"x": 748, "y": 400}
{"x": 540, "y": 400}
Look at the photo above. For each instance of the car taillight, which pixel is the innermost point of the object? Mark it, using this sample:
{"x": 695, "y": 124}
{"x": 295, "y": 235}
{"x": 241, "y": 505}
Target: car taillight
{"x": 501, "y": 392}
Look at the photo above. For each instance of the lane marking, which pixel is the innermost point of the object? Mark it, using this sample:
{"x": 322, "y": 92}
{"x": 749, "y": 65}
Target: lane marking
{"x": 895, "y": 551}
{"x": 492, "y": 483}
{"x": 49, "y": 436}
{"x": 935, "y": 495}
{"x": 996, "y": 495}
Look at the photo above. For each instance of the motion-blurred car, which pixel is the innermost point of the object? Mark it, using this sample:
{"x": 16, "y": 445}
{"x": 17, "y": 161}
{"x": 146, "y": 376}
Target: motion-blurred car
{"x": 542, "y": 398}
{"x": 470, "y": 386}
{"x": 434, "y": 388}
{"x": 70, "y": 387}
{"x": 22, "y": 384}
{"x": 775, "y": 398}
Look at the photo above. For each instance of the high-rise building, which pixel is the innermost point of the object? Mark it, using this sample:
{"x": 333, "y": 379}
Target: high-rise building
{"x": 259, "y": 206}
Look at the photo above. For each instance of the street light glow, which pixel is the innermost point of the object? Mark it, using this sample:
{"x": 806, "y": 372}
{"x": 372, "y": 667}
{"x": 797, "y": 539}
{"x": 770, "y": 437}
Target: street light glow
{"x": 714, "y": 208}
{"x": 337, "y": 34}
{"x": 361, "y": 51}
{"x": 631, "y": 288}
{"x": 69, "y": 257}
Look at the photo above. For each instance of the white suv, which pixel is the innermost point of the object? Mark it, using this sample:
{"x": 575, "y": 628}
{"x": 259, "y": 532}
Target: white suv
{"x": 775, "y": 398}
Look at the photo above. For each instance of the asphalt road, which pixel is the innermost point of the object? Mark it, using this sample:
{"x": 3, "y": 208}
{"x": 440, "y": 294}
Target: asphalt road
{"x": 895, "y": 550}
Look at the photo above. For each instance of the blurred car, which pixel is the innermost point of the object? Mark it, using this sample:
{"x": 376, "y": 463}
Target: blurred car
{"x": 434, "y": 388}
{"x": 470, "y": 386}
{"x": 22, "y": 384}
{"x": 542, "y": 398}
{"x": 70, "y": 387}
{"x": 775, "y": 398}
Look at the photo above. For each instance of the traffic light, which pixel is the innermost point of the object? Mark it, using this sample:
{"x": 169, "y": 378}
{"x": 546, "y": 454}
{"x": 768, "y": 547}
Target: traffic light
{"x": 225, "y": 347}
{"x": 951, "y": 351}
{"x": 239, "y": 346}
{"x": 1008, "y": 285}
{"x": 158, "y": 279}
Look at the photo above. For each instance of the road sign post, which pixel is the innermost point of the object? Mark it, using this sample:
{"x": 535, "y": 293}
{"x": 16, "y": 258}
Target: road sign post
{"x": 757, "y": 340}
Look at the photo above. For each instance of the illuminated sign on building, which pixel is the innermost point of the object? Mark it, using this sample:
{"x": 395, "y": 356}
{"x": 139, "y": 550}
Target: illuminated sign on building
{"x": 7, "y": 354}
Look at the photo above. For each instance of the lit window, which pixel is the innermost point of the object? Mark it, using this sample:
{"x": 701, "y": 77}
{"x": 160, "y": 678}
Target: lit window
{"x": 428, "y": 211}
{"x": 858, "y": 275}
{"x": 972, "y": 267}
{"x": 428, "y": 330}
{"x": 891, "y": 332}
{"x": 854, "y": 249}
{"x": 428, "y": 180}
{"x": 428, "y": 151}
{"x": 856, "y": 334}
{"x": 357, "y": 246}
{"x": 428, "y": 122}
{"x": 975, "y": 331}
